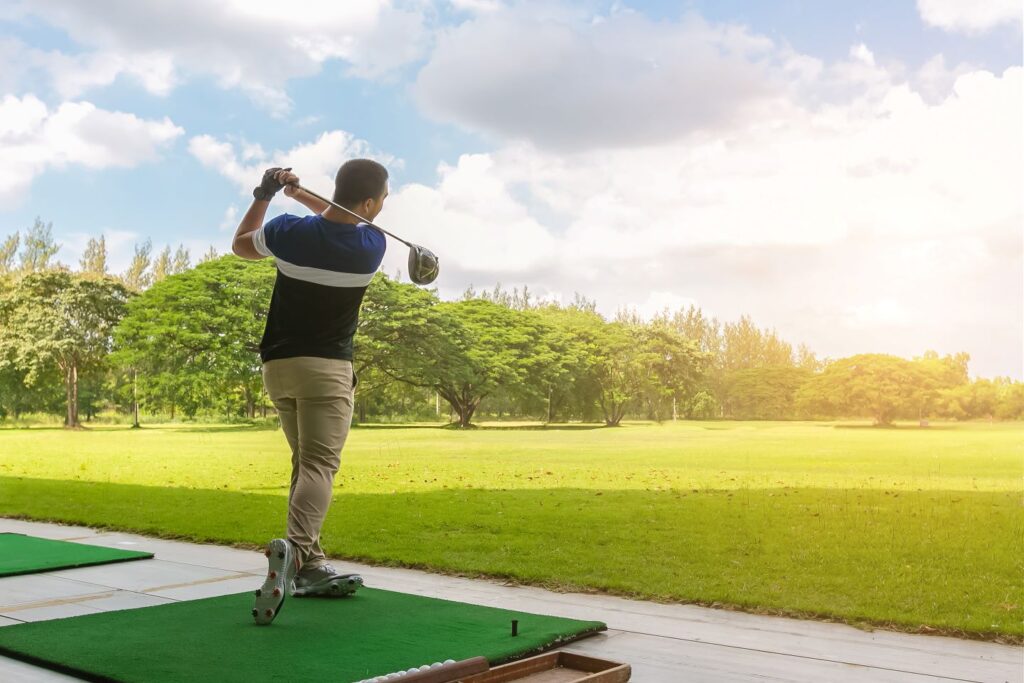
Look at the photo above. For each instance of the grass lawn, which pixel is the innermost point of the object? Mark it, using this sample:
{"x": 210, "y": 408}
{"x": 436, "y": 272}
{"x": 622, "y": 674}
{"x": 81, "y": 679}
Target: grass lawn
{"x": 915, "y": 529}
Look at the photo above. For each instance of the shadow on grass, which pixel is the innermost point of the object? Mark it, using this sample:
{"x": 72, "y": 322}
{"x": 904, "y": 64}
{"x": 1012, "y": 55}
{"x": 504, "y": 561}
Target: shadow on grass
{"x": 932, "y": 560}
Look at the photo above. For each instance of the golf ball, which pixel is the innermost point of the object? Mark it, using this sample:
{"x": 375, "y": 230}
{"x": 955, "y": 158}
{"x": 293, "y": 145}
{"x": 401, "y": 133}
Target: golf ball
{"x": 449, "y": 661}
{"x": 413, "y": 671}
{"x": 436, "y": 665}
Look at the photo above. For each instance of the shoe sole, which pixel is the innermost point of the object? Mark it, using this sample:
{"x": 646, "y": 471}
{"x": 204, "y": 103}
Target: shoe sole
{"x": 337, "y": 586}
{"x": 270, "y": 597}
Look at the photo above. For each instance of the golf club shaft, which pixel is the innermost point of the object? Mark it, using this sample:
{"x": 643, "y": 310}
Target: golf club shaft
{"x": 349, "y": 212}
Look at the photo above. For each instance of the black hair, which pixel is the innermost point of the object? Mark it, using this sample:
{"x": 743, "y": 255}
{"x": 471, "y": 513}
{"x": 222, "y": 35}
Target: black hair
{"x": 359, "y": 180}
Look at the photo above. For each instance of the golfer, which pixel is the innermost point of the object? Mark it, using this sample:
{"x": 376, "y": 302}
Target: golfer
{"x": 324, "y": 263}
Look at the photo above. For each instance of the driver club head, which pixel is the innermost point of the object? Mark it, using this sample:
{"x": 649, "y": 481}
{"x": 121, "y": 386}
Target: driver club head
{"x": 423, "y": 265}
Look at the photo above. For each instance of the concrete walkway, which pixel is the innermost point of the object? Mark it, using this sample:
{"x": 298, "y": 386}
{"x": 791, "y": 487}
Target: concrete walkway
{"x": 663, "y": 643}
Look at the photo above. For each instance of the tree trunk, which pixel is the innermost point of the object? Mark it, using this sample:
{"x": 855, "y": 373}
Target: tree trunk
{"x": 466, "y": 414}
{"x": 72, "y": 396}
{"x": 135, "y": 398}
{"x": 617, "y": 413}
{"x": 463, "y": 404}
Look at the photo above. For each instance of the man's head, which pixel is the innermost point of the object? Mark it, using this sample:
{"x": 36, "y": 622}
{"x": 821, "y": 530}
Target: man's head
{"x": 361, "y": 186}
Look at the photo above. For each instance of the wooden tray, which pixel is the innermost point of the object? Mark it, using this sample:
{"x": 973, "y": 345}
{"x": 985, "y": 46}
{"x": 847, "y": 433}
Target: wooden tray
{"x": 555, "y": 667}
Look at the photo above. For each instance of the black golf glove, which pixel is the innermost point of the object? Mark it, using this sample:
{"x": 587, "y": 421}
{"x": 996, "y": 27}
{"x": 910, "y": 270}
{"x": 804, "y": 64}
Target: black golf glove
{"x": 269, "y": 186}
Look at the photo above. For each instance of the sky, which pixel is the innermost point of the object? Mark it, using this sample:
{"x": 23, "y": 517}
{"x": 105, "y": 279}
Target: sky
{"x": 850, "y": 175}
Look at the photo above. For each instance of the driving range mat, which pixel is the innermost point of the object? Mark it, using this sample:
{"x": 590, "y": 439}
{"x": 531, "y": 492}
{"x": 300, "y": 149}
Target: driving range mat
{"x": 21, "y": 554}
{"x": 373, "y": 633}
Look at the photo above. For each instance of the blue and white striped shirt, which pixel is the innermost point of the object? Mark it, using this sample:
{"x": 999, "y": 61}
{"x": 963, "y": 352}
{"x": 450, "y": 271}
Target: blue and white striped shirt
{"x": 323, "y": 269}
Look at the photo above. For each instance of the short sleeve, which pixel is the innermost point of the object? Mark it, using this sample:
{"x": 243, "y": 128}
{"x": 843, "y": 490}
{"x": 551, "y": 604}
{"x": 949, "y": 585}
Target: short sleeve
{"x": 264, "y": 238}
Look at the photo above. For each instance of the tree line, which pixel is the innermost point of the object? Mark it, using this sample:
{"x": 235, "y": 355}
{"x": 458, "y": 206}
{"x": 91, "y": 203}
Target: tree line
{"x": 181, "y": 341}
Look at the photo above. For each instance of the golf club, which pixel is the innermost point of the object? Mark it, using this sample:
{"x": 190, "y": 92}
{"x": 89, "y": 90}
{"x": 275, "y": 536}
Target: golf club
{"x": 423, "y": 263}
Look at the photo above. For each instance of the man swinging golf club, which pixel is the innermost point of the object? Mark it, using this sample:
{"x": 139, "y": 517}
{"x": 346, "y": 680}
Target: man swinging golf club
{"x": 324, "y": 264}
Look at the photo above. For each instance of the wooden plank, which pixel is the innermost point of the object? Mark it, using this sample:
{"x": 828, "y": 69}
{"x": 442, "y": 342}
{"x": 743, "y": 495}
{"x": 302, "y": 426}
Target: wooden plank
{"x": 556, "y": 667}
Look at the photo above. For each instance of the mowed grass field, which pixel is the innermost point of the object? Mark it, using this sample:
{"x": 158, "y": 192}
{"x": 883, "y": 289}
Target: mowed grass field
{"x": 914, "y": 529}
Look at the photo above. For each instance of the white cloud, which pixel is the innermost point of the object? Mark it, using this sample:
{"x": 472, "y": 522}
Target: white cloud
{"x": 230, "y": 220}
{"x": 969, "y": 16}
{"x": 559, "y": 78}
{"x": 316, "y": 163}
{"x": 884, "y": 312}
{"x": 832, "y": 221}
{"x": 75, "y": 74}
{"x": 252, "y": 45}
{"x": 661, "y": 301}
{"x": 33, "y": 138}
{"x": 861, "y": 53}
{"x": 473, "y": 219}
{"x": 476, "y": 5}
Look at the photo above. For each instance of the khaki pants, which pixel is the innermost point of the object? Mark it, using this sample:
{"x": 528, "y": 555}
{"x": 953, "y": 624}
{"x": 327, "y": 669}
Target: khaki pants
{"x": 313, "y": 397}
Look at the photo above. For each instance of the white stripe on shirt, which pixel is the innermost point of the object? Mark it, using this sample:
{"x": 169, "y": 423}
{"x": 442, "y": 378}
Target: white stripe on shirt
{"x": 260, "y": 242}
{"x": 320, "y": 276}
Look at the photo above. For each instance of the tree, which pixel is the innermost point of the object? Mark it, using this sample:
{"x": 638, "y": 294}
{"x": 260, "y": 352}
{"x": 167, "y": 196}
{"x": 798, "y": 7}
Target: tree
{"x": 94, "y": 258}
{"x": 618, "y": 370}
{"x": 182, "y": 262}
{"x": 574, "y": 390}
{"x": 463, "y": 350}
{"x": 936, "y": 376}
{"x": 403, "y": 336}
{"x": 38, "y": 248}
{"x": 136, "y": 277}
{"x": 806, "y": 360}
{"x": 965, "y": 401}
{"x": 675, "y": 367}
{"x": 1011, "y": 399}
{"x": 8, "y": 252}
{"x": 210, "y": 255}
{"x": 193, "y": 338}
{"x": 59, "y": 320}
{"x": 163, "y": 265}
{"x": 879, "y": 385}
{"x": 767, "y": 393}
{"x": 502, "y": 348}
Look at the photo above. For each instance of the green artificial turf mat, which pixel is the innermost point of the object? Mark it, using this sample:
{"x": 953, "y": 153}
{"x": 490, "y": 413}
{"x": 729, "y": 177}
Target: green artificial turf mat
{"x": 20, "y": 554}
{"x": 372, "y": 633}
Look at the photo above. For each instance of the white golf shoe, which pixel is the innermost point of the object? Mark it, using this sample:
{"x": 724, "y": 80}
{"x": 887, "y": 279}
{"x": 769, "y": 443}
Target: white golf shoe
{"x": 282, "y": 561}
{"x": 325, "y": 580}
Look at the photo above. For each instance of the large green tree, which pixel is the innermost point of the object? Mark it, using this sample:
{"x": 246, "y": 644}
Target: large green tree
{"x": 56, "y": 320}
{"x": 879, "y": 385}
{"x": 464, "y": 350}
{"x": 573, "y": 390}
{"x": 766, "y": 393}
{"x": 192, "y": 339}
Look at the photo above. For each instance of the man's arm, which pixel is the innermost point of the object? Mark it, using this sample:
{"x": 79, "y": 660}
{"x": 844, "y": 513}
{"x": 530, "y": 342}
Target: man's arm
{"x": 301, "y": 196}
{"x": 242, "y": 244}
{"x": 251, "y": 222}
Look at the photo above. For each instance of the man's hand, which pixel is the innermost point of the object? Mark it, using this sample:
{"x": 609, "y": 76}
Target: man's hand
{"x": 270, "y": 184}
{"x": 289, "y": 180}
{"x": 291, "y": 189}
